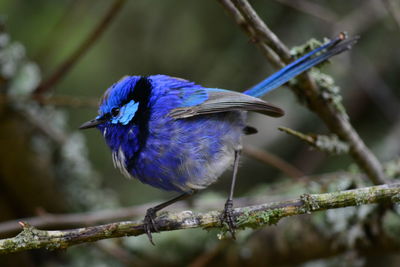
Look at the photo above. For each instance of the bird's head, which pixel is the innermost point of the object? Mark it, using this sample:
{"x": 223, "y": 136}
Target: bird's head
{"x": 123, "y": 113}
{"x": 120, "y": 103}
{"x": 122, "y": 117}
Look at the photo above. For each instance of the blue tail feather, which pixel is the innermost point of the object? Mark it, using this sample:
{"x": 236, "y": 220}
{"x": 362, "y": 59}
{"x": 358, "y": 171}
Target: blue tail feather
{"x": 334, "y": 47}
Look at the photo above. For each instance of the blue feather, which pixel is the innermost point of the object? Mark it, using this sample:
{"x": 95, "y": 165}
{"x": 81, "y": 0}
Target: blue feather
{"x": 126, "y": 113}
{"x": 300, "y": 65}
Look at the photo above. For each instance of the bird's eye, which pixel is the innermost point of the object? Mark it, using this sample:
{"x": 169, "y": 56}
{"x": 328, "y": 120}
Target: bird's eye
{"x": 115, "y": 112}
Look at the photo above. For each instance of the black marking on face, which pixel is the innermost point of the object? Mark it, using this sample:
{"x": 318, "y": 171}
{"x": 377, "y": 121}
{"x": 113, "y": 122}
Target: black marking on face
{"x": 141, "y": 94}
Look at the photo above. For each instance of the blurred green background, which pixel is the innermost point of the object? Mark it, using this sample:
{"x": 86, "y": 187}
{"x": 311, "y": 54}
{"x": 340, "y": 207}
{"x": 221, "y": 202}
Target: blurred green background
{"x": 198, "y": 41}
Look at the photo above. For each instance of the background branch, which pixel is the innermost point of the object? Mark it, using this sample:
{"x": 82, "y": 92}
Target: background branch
{"x": 251, "y": 216}
{"x": 64, "y": 67}
{"x": 272, "y": 160}
{"x": 308, "y": 89}
{"x": 394, "y": 10}
{"x": 311, "y": 8}
{"x": 54, "y": 100}
{"x": 324, "y": 143}
{"x": 63, "y": 221}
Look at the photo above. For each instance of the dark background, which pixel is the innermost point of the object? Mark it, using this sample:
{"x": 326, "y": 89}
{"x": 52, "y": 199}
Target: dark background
{"x": 198, "y": 41}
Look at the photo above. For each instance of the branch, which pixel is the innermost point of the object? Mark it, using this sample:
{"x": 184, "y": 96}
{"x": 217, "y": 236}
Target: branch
{"x": 251, "y": 216}
{"x": 272, "y": 160}
{"x": 265, "y": 49}
{"x": 308, "y": 238}
{"x": 394, "y": 10}
{"x": 63, "y": 69}
{"x": 312, "y": 9}
{"x": 329, "y": 144}
{"x": 83, "y": 219}
{"x": 54, "y": 100}
{"x": 64, "y": 221}
{"x": 320, "y": 101}
{"x": 260, "y": 30}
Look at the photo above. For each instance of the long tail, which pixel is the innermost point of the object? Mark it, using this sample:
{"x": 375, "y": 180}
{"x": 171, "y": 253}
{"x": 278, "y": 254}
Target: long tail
{"x": 332, "y": 48}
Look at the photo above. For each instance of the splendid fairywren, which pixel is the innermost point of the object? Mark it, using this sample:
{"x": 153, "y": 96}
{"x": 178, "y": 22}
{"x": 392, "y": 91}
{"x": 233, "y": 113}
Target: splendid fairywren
{"x": 176, "y": 135}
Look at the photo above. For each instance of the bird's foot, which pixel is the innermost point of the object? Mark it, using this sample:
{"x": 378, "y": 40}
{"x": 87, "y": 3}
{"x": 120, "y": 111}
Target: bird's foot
{"x": 149, "y": 224}
{"x": 229, "y": 218}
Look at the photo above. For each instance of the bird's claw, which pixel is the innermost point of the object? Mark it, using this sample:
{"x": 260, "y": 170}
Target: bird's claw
{"x": 149, "y": 224}
{"x": 229, "y": 218}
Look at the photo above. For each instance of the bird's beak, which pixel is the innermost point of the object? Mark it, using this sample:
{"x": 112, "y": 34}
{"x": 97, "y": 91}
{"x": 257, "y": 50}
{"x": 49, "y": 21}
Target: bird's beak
{"x": 91, "y": 124}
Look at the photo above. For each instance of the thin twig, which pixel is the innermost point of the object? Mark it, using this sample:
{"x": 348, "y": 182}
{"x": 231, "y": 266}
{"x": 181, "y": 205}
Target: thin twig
{"x": 265, "y": 49}
{"x": 118, "y": 252}
{"x": 54, "y": 100}
{"x": 362, "y": 18}
{"x": 251, "y": 216}
{"x": 272, "y": 160}
{"x": 394, "y": 10}
{"x": 337, "y": 121}
{"x": 207, "y": 256}
{"x": 325, "y": 143}
{"x": 63, "y": 69}
{"x": 261, "y": 31}
{"x": 311, "y": 8}
{"x": 57, "y": 30}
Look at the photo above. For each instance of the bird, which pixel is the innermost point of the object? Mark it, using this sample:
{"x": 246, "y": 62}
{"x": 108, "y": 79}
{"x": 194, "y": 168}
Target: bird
{"x": 176, "y": 135}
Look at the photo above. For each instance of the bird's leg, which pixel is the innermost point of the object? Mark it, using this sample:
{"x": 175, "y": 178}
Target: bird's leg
{"x": 149, "y": 224}
{"x": 227, "y": 215}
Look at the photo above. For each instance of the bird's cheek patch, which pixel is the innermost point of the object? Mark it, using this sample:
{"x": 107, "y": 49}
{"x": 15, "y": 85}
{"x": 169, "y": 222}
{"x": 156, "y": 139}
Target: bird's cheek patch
{"x": 126, "y": 113}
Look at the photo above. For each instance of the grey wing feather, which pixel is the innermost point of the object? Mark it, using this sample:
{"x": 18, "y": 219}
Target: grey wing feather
{"x": 223, "y": 101}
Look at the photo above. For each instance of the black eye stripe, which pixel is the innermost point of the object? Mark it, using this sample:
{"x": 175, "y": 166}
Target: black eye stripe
{"x": 141, "y": 94}
{"x": 106, "y": 116}
{"x": 114, "y": 112}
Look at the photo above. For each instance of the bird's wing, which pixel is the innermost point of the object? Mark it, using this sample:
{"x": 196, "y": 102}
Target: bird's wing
{"x": 219, "y": 100}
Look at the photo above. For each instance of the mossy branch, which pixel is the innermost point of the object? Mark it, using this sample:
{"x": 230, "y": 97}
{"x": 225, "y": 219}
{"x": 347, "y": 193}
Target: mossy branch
{"x": 325, "y": 143}
{"x": 315, "y": 89}
{"x": 251, "y": 216}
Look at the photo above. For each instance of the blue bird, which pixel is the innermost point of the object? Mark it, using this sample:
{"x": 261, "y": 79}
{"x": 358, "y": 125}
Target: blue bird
{"x": 176, "y": 135}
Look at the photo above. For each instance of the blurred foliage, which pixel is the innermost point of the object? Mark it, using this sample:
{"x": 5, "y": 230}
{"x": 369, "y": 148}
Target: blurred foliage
{"x": 47, "y": 165}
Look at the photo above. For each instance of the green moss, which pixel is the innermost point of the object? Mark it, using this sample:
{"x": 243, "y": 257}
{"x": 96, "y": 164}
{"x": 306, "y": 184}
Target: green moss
{"x": 331, "y": 144}
{"x": 309, "y": 203}
{"x": 54, "y": 246}
{"x": 256, "y": 220}
{"x": 8, "y": 245}
{"x": 253, "y": 220}
{"x": 301, "y": 50}
{"x": 30, "y": 237}
{"x": 328, "y": 90}
{"x": 396, "y": 198}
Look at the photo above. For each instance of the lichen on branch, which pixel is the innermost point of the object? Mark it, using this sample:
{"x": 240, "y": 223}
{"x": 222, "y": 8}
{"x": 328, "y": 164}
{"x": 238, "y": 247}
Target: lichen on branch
{"x": 251, "y": 216}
